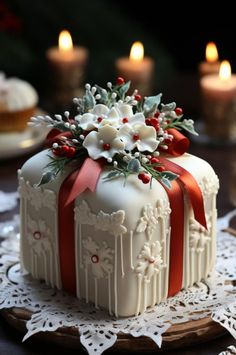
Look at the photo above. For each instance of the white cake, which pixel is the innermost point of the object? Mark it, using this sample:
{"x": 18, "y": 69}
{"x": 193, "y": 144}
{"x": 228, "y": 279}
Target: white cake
{"x": 123, "y": 257}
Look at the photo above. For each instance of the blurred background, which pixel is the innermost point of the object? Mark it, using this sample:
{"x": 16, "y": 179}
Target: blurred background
{"x": 174, "y": 37}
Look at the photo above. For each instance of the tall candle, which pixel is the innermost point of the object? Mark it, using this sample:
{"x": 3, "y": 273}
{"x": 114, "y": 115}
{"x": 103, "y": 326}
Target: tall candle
{"x": 67, "y": 64}
{"x": 211, "y": 65}
{"x": 219, "y": 102}
{"x": 137, "y": 68}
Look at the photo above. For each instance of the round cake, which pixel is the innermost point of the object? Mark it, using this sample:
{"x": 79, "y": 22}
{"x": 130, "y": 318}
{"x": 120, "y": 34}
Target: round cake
{"x": 116, "y": 211}
{"x": 18, "y": 100}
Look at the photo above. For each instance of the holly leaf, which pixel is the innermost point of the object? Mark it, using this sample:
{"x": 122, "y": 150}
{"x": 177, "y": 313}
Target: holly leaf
{"x": 168, "y": 107}
{"x": 167, "y": 177}
{"x": 124, "y": 89}
{"x": 188, "y": 125}
{"x": 46, "y": 177}
{"x": 103, "y": 93}
{"x": 133, "y": 165}
{"x": 89, "y": 101}
{"x": 111, "y": 174}
{"x": 150, "y": 104}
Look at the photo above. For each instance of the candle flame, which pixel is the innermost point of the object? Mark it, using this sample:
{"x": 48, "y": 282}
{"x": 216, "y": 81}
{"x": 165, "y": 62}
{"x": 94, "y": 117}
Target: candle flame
{"x": 225, "y": 70}
{"x": 137, "y": 52}
{"x": 65, "y": 41}
{"x": 211, "y": 52}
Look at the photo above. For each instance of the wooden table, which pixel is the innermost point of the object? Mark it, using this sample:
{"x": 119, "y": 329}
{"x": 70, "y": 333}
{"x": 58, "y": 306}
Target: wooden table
{"x": 10, "y": 340}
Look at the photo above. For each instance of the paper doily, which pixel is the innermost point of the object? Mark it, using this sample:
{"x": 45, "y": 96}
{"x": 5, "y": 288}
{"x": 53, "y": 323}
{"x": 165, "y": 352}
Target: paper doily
{"x": 98, "y": 331}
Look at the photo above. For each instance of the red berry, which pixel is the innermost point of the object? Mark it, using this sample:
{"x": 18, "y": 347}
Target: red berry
{"x": 120, "y": 80}
{"x": 148, "y": 121}
{"x": 65, "y": 149}
{"x": 106, "y": 146}
{"x": 136, "y": 137}
{"x": 159, "y": 168}
{"x": 57, "y": 152}
{"x": 71, "y": 152}
{"x": 157, "y": 114}
{"x": 154, "y": 122}
{"x": 146, "y": 179}
{"x": 99, "y": 119}
{"x": 138, "y": 97}
{"x": 125, "y": 120}
{"x": 154, "y": 160}
{"x": 141, "y": 175}
{"x": 178, "y": 111}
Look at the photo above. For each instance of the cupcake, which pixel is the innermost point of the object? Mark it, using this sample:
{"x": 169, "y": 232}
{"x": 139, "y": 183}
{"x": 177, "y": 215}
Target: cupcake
{"x": 18, "y": 100}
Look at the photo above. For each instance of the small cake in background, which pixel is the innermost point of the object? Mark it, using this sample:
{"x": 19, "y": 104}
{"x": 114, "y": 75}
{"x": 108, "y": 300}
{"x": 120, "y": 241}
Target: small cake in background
{"x": 18, "y": 101}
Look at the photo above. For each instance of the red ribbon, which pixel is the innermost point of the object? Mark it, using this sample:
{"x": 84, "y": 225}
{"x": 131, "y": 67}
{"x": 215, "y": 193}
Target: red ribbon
{"x": 188, "y": 185}
{"x": 76, "y": 183}
{"x": 179, "y": 144}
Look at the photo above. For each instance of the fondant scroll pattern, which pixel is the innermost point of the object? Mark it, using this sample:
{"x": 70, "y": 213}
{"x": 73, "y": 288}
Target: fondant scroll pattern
{"x": 38, "y": 199}
{"x": 156, "y": 253}
{"x": 111, "y": 223}
{"x": 199, "y": 247}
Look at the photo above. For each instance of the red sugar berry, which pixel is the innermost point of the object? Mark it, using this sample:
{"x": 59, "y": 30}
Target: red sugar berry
{"x": 71, "y": 152}
{"x": 154, "y": 122}
{"x": 154, "y": 160}
{"x": 141, "y": 175}
{"x": 178, "y": 111}
{"x": 99, "y": 119}
{"x": 106, "y": 146}
{"x": 57, "y": 152}
{"x": 65, "y": 149}
{"x": 120, "y": 80}
{"x": 148, "y": 121}
{"x": 159, "y": 168}
{"x": 125, "y": 120}
{"x": 136, "y": 137}
{"x": 138, "y": 97}
{"x": 157, "y": 114}
{"x": 146, "y": 179}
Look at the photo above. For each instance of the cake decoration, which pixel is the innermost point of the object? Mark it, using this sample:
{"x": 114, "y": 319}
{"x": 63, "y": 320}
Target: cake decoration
{"x": 131, "y": 215}
{"x": 125, "y": 132}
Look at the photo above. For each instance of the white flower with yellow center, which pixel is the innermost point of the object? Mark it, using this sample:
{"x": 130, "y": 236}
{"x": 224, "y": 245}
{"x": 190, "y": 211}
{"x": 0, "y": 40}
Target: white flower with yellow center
{"x": 101, "y": 115}
{"x": 104, "y": 143}
{"x": 139, "y": 136}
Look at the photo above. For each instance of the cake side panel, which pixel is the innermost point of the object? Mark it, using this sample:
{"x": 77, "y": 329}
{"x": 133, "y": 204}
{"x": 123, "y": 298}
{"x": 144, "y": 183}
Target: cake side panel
{"x": 38, "y": 235}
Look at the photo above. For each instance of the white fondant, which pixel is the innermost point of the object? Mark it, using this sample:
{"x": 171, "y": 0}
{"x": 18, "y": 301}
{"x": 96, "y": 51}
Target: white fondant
{"x": 125, "y": 219}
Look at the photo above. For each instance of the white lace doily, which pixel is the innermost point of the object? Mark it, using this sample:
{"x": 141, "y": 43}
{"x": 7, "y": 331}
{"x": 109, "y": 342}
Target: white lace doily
{"x": 98, "y": 331}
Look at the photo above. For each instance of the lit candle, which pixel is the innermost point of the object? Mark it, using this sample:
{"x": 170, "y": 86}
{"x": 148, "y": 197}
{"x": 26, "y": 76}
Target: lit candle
{"x": 67, "y": 64}
{"x": 212, "y": 64}
{"x": 219, "y": 102}
{"x": 137, "y": 68}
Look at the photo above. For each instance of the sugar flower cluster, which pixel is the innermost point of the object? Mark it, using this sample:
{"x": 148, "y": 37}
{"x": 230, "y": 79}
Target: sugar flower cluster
{"x": 127, "y": 131}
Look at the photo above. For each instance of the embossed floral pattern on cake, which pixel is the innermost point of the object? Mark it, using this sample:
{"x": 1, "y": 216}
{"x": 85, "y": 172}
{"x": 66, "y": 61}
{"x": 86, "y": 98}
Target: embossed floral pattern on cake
{"x": 150, "y": 260}
{"x": 99, "y": 257}
{"x": 199, "y": 236}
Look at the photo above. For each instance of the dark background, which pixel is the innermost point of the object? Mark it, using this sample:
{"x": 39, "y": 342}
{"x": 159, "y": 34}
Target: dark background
{"x": 175, "y": 35}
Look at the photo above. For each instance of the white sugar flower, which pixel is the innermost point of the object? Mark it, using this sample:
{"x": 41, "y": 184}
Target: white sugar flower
{"x": 104, "y": 143}
{"x": 138, "y": 136}
{"x": 101, "y": 115}
{"x": 150, "y": 260}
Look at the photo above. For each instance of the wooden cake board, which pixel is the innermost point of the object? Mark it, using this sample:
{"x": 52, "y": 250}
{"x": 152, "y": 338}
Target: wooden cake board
{"x": 177, "y": 336}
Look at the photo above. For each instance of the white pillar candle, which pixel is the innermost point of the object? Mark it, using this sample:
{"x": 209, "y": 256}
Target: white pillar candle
{"x": 137, "y": 68}
{"x": 211, "y": 65}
